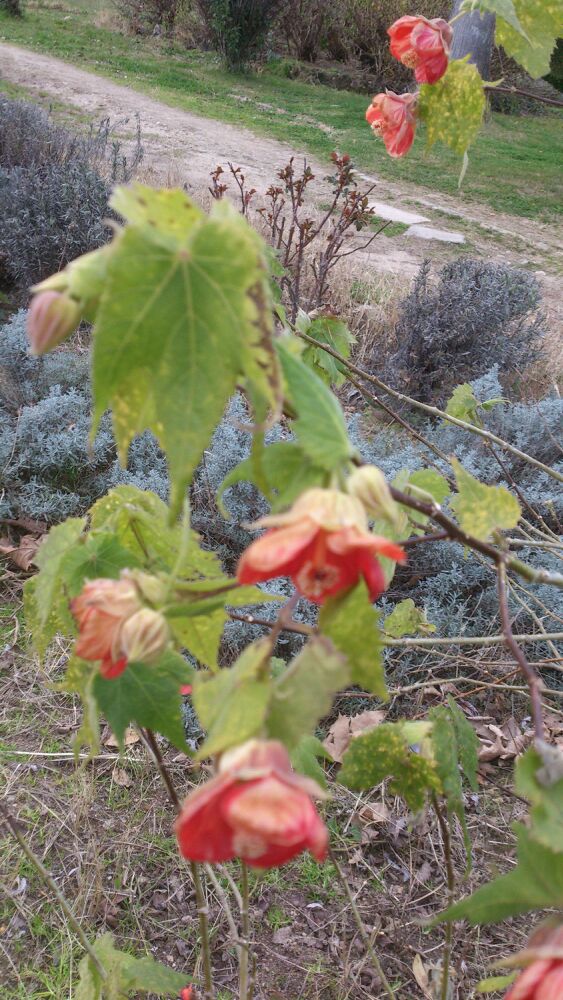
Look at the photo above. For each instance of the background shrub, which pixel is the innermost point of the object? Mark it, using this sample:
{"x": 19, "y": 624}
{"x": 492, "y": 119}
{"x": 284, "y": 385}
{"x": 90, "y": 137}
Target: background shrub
{"x": 450, "y": 330}
{"x": 48, "y": 470}
{"x": 13, "y": 7}
{"x": 237, "y": 29}
{"x": 54, "y": 190}
{"x": 144, "y": 17}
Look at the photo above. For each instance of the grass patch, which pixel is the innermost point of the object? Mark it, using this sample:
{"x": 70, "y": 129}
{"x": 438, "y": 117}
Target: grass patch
{"x": 514, "y": 164}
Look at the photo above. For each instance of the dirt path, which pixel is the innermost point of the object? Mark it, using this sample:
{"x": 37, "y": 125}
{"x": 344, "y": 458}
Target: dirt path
{"x": 182, "y": 147}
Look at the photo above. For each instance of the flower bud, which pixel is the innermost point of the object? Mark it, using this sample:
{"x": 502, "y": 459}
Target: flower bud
{"x": 51, "y": 319}
{"x": 144, "y": 636}
{"x": 370, "y": 486}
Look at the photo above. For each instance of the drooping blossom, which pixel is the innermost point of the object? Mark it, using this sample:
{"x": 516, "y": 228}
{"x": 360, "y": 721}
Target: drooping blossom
{"x": 543, "y": 977}
{"x": 255, "y": 808}
{"x": 392, "y": 117}
{"x": 369, "y": 485}
{"x": 187, "y": 993}
{"x": 422, "y": 45}
{"x": 323, "y": 544}
{"x": 113, "y": 625}
{"x": 51, "y": 318}
{"x": 144, "y": 636}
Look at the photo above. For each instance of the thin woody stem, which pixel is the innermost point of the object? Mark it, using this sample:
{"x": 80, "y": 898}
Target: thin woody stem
{"x": 531, "y": 676}
{"x": 149, "y": 740}
{"x": 47, "y": 878}
{"x": 450, "y": 876}
{"x": 245, "y": 928}
{"x": 433, "y": 411}
{"x": 361, "y": 928}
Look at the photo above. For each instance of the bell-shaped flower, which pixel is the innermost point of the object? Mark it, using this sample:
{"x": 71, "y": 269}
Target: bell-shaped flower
{"x": 543, "y": 977}
{"x": 392, "y": 116}
{"x": 100, "y": 611}
{"x": 323, "y": 544}
{"x": 255, "y": 808}
{"x": 52, "y": 317}
{"x": 423, "y": 45}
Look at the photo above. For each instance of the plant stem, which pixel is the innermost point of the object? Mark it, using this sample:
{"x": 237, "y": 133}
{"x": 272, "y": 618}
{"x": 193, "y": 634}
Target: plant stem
{"x": 361, "y": 928}
{"x": 532, "y": 678}
{"x": 203, "y": 913}
{"x": 245, "y": 929}
{"x": 47, "y": 878}
{"x": 149, "y": 740}
{"x": 450, "y": 875}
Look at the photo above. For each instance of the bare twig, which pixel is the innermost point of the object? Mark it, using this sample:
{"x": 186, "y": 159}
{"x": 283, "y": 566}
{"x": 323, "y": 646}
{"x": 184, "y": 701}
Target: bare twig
{"x": 434, "y": 411}
{"x": 493, "y": 88}
{"x": 361, "y": 928}
{"x": 450, "y": 875}
{"x": 532, "y": 678}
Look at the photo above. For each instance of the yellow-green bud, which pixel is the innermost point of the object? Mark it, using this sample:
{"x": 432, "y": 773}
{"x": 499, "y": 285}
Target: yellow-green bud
{"x": 144, "y": 636}
{"x": 369, "y": 485}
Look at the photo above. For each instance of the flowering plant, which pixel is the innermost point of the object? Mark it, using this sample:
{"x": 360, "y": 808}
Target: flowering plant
{"x": 145, "y": 603}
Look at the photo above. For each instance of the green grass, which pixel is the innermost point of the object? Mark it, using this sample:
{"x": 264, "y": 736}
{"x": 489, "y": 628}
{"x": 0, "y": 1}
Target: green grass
{"x": 514, "y": 164}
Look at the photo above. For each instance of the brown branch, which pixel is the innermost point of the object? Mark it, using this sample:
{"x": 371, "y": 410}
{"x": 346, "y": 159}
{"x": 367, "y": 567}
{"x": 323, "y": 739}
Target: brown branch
{"x": 524, "y": 93}
{"x": 532, "y": 678}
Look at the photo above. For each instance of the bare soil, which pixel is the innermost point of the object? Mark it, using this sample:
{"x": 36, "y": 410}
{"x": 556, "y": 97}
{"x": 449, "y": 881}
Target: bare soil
{"x": 183, "y": 148}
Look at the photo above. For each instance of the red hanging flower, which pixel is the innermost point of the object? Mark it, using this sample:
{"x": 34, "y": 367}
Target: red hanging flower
{"x": 392, "y": 117}
{"x": 422, "y": 45}
{"x": 543, "y": 977}
{"x": 323, "y": 544}
{"x": 115, "y": 627}
{"x": 256, "y": 808}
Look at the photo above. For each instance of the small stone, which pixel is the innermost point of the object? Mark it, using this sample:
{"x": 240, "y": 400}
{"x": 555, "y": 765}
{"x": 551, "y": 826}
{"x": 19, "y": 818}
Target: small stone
{"x": 428, "y": 233}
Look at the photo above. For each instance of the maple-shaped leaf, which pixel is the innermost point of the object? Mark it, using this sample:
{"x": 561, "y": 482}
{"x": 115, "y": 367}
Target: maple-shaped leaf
{"x": 453, "y": 108}
{"x": 185, "y": 316}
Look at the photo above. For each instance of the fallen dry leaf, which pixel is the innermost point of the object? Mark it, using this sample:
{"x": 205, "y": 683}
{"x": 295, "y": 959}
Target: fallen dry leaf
{"x": 122, "y": 777}
{"x": 421, "y": 976}
{"x": 131, "y": 736}
{"x": 502, "y": 742}
{"x": 344, "y": 728}
{"x": 23, "y": 553}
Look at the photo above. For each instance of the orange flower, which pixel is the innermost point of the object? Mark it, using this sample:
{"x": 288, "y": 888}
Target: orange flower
{"x": 100, "y": 610}
{"x": 422, "y": 45}
{"x": 255, "y": 808}
{"x": 323, "y": 544}
{"x": 51, "y": 318}
{"x": 392, "y": 117}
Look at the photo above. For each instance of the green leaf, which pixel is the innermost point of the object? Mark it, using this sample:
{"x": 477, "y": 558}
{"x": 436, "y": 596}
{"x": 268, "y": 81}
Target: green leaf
{"x": 232, "y": 705}
{"x": 463, "y": 404}
{"x": 94, "y": 557}
{"x": 198, "y": 624}
{"x": 320, "y": 426}
{"x": 305, "y": 758}
{"x": 334, "y": 333}
{"x": 303, "y": 693}
{"x": 185, "y": 316}
{"x": 148, "y": 694}
{"x": 48, "y": 591}
{"x": 483, "y": 509}
{"x": 504, "y": 9}
{"x": 545, "y": 795}
{"x": 407, "y": 619}
{"x": 431, "y": 482}
{"x": 495, "y": 983}
{"x": 288, "y": 472}
{"x": 454, "y": 742}
{"x": 541, "y": 23}
{"x": 351, "y": 622}
{"x": 453, "y": 107}
{"x": 79, "y": 679}
{"x": 385, "y": 752}
{"x": 124, "y": 974}
{"x": 140, "y": 520}
{"x": 535, "y": 883}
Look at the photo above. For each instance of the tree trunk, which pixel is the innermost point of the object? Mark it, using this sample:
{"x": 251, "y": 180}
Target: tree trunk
{"x": 474, "y": 36}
